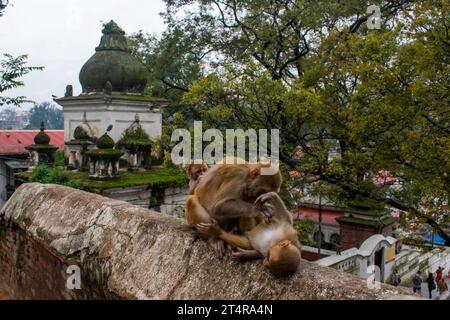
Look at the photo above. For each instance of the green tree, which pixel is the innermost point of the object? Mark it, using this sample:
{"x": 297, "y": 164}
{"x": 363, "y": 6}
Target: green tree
{"x": 314, "y": 70}
{"x": 3, "y": 5}
{"x": 11, "y": 70}
{"x": 173, "y": 63}
{"x": 52, "y": 116}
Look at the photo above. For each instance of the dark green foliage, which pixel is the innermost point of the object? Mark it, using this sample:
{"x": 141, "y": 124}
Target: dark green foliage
{"x": 53, "y": 175}
{"x": 305, "y": 229}
{"x": 138, "y": 137}
{"x": 377, "y": 100}
{"x": 11, "y": 70}
{"x": 59, "y": 159}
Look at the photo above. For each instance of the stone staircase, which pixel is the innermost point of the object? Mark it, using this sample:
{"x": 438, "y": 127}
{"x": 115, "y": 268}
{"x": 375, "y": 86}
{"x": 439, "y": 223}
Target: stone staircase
{"x": 410, "y": 260}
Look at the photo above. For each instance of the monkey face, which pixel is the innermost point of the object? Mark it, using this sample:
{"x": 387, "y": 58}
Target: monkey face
{"x": 196, "y": 171}
{"x": 200, "y": 171}
{"x": 283, "y": 259}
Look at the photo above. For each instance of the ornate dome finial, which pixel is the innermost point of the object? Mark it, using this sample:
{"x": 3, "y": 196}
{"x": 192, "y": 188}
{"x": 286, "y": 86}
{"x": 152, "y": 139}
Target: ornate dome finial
{"x": 112, "y": 28}
{"x": 42, "y": 138}
{"x": 113, "y": 63}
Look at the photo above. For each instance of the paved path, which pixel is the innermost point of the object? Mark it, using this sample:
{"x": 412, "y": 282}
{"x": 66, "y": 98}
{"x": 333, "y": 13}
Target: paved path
{"x": 435, "y": 293}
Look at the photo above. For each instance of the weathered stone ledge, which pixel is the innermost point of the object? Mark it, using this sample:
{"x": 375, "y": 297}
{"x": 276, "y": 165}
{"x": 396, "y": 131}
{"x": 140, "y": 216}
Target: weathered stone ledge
{"x": 128, "y": 252}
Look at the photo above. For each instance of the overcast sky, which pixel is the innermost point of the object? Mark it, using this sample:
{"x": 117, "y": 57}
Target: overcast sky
{"x": 61, "y": 35}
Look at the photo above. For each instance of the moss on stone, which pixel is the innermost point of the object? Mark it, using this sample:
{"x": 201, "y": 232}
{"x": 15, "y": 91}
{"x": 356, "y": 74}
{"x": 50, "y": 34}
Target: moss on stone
{"x": 105, "y": 142}
{"x": 155, "y": 178}
{"x": 135, "y": 138}
{"x": 81, "y": 134}
{"x": 78, "y": 142}
{"x": 104, "y": 152}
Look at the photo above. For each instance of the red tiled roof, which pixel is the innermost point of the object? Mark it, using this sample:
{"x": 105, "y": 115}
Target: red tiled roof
{"x": 328, "y": 216}
{"x": 15, "y": 141}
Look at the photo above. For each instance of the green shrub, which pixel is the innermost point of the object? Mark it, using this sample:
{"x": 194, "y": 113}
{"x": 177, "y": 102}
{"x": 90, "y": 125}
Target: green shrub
{"x": 48, "y": 175}
{"x": 59, "y": 158}
{"x": 305, "y": 228}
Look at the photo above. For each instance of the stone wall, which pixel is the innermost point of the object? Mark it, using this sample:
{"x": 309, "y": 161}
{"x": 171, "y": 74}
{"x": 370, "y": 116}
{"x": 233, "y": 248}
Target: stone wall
{"x": 169, "y": 201}
{"x": 128, "y": 252}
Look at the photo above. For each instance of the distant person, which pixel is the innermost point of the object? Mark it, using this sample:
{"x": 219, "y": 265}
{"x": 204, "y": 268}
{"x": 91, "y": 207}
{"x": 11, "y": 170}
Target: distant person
{"x": 396, "y": 278}
{"x": 431, "y": 284}
{"x": 417, "y": 282}
{"x": 439, "y": 274}
{"x": 442, "y": 285}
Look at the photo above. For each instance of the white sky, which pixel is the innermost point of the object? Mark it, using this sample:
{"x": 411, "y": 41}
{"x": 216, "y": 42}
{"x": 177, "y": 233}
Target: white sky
{"x": 61, "y": 35}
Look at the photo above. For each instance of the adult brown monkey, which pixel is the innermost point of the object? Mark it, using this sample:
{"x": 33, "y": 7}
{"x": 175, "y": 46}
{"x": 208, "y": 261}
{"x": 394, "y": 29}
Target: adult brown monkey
{"x": 275, "y": 241}
{"x": 227, "y": 193}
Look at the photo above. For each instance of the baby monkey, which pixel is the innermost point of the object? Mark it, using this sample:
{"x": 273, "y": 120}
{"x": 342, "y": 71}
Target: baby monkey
{"x": 195, "y": 172}
{"x": 275, "y": 240}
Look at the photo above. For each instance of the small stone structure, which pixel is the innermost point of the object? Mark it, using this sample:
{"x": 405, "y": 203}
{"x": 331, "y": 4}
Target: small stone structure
{"x": 104, "y": 161}
{"x": 126, "y": 252}
{"x": 41, "y": 151}
{"x": 76, "y": 148}
{"x": 138, "y": 146}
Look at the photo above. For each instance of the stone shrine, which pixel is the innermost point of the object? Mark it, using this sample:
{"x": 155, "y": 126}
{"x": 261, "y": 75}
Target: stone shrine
{"x": 113, "y": 83}
{"x": 41, "y": 152}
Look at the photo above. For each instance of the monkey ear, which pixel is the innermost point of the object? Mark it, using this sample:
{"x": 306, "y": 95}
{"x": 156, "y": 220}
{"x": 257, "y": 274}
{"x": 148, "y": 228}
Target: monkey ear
{"x": 255, "y": 173}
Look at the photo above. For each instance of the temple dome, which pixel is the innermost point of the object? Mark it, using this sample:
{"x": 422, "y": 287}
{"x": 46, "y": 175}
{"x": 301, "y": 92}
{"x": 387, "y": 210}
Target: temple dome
{"x": 113, "y": 63}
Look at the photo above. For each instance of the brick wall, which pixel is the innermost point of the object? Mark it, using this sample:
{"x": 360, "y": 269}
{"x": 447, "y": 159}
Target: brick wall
{"x": 22, "y": 260}
{"x": 352, "y": 236}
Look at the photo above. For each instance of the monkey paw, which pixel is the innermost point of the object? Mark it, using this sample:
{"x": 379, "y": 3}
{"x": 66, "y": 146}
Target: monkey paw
{"x": 209, "y": 230}
{"x": 265, "y": 198}
{"x": 219, "y": 247}
{"x": 264, "y": 206}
